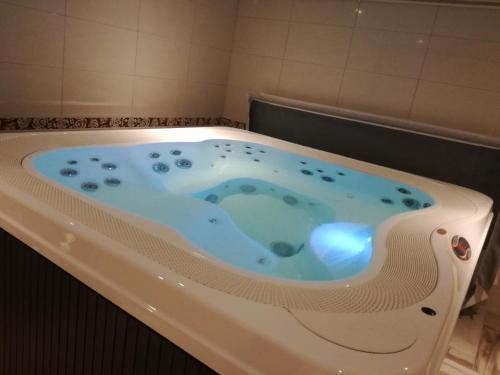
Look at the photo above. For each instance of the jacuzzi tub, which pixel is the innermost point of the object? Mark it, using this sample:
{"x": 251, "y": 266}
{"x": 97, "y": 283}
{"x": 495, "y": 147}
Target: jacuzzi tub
{"x": 252, "y": 254}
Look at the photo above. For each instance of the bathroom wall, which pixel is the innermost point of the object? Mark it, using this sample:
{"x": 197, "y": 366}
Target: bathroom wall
{"x": 432, "y": 63}
{"x": 142, "y": 58}
{"x": 201, "y": 58}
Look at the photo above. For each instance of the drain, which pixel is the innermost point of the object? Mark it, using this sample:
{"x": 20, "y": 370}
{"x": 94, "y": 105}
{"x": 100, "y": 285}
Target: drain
{"x": 262, "y": 260}
{"x": 112, "y": 181}
{"x": 284, "y": 249}
{"x": 248, "y": 188}
{"x": 68, "y": 172}
{"x": 108, "y": 166}
{"x": 160, "y": 168}
{"x": 403, "y": 190}
{"x": 428, "y": 311}
{"x": 291, "y": 201}
{"x": 411, "y": 203}
{"x": 89, "y": 186}
{"x": 183, "y": 163}
{"x": 386, "y": 200}
{"x": 212, "y": 198}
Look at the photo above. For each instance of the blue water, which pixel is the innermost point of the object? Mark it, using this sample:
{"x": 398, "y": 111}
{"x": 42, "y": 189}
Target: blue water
{"x": 250, "y": 206}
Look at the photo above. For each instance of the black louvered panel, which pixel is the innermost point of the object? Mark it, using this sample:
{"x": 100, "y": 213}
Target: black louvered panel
{"x": 51, "y": 323}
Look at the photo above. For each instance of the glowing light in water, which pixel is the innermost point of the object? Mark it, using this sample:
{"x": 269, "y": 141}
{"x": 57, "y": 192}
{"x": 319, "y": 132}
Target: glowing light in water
{"x": 342, "y": 245}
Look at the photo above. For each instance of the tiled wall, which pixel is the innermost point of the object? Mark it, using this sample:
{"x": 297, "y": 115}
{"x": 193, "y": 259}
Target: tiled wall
{"x": 143, "y": 58}
{"x": 172, "y": 58}
{"x": 431, "y": 63}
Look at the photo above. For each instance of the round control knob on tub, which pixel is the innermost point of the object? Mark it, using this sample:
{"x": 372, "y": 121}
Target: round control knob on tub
{"x": 461, "y": 247}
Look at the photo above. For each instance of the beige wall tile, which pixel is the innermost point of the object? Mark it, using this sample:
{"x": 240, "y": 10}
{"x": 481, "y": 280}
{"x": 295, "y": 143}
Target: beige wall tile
{"x": 261, "y": 37}
{"x": 388, "y": 52}
{"x": 318, "y": 44}
{"x": 273, "y": 9}
{"x": 160, "y": 57}
{"x": 319, "y": 84}
{"x": 123, "y": 13}
{"x": 469, "y": 48}
{"x": 474, "y": 110}
{"x": 52, "y": 6}
{"x": 204, "y": 100}
{"x": 96, "y": 94}
{"x": 29, "y": 91}
{"x": 99, "y": 47}
{"x": 331, "y": 12}
{"x": 386, "y": 95}
{"x": 416, "y": 18}
{"x": 209, "y": 65}
{"x": 169, "y": 18}
{"x": 31, "y": 37}
{"x": 236, "y": 104}
{"x": 222, "y": 7}
{"x": 468, "y": 23}
{"x": 254, "y": 72}
{"x": 463, "y": 62}
{"x": 213, "y": 27}
{"x": 158, "y": 97}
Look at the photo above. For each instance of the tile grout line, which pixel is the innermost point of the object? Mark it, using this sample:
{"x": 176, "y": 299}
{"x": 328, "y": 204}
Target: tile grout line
{"x": 17, "y": 63}
{"x": 470, "y": 38}
{"x": 496, "y": 132}
{"x": 366, "y": 71}
{"x": 64, "y": 13}
{"x": 445, "y": 3}
{"x": 231, "y": 52}
{"x": 33, "y": 8}
{"x": 272, "y": 19}
{"x": 354, "y": 27}
{"x": 134, "y": 81}
{"x": 61, "y": 112}
{"x": 21, "y": 64}
{"x": 283, "y": 55}
{"x": 190, "y": 52}
{"x": 419, "y": 76}
{"x": 102, "y": 23}
{"x": 183, "y": 107}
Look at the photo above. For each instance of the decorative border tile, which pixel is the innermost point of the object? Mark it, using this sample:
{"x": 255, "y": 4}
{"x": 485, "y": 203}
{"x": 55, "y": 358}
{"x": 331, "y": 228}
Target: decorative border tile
{"x": 222, "y": 121}
{"x": 57, "y": 123}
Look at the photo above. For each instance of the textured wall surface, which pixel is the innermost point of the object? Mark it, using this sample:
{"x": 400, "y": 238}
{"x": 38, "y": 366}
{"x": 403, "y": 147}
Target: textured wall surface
{"x": 142, "y": 58}
{"x": 433, "y": 63}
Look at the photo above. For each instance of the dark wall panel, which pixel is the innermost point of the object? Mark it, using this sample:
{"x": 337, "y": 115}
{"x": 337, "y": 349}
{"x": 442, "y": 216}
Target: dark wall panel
{"x": 51, "y": 323}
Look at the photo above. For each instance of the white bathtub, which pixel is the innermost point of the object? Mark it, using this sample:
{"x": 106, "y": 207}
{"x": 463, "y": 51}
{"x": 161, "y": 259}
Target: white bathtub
{"x": 379, "y": 322}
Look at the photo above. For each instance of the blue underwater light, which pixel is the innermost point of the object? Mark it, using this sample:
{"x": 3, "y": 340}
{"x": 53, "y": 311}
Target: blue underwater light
{"x": 342, "y": 244}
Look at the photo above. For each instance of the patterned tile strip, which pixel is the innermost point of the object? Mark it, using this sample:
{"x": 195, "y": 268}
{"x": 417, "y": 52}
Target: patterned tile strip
{"x": 56, "y": 123}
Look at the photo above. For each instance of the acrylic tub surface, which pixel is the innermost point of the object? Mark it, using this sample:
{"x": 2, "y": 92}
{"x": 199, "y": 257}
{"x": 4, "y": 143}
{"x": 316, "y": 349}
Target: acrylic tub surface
{"x": 251, "y": 206}
{"x": 168, "y": 229}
